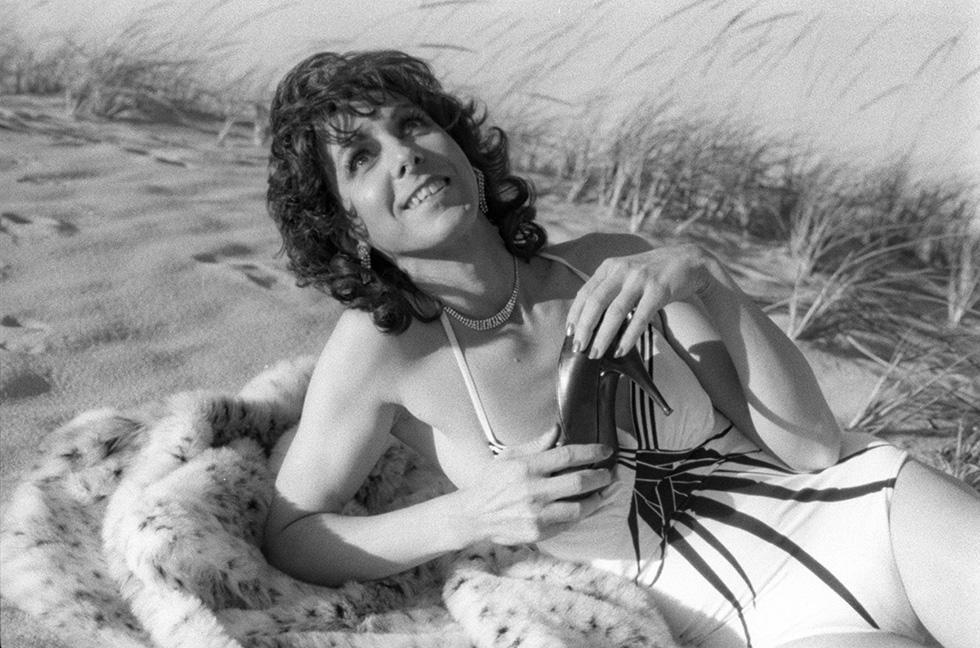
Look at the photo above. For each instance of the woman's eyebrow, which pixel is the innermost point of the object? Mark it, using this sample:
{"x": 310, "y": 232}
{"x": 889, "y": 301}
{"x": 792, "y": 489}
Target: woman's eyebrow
{"x": 350, "y": 139}
{"x": 404, "y": 106}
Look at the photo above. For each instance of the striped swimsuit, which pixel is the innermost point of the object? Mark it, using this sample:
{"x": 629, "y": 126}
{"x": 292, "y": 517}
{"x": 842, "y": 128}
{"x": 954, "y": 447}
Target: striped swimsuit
{"x": 737, "y": 549}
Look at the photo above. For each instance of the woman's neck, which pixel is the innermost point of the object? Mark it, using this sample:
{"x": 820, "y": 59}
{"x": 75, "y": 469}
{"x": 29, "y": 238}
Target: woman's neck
{"x": 477, "y": 284}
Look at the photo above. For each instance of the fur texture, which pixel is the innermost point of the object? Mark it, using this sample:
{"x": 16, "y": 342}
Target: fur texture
{"x": 145, "y": 529}
{"x": 527, "y": 599}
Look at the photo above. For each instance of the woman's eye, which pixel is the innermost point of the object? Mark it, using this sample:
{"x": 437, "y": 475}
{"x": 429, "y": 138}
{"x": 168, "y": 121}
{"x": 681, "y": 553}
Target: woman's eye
{"x": 414, "y": 122}
{"x": 357, "y": 160}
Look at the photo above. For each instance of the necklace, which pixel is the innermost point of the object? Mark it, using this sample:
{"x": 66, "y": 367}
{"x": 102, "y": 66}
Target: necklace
{"x": 494, "y": 320}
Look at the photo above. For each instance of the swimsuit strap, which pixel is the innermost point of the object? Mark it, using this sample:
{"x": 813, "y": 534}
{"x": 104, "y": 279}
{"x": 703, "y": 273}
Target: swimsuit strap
{"x": 495, "y": 445}
{"x": 552, "y": 257}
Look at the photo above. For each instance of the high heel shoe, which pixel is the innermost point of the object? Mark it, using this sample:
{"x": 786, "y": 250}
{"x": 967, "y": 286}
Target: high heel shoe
{"x": 587, "y": 394}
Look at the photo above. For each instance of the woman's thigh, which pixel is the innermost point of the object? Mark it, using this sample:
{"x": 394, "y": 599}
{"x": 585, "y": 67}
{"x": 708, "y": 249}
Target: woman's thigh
{"x": 935, "y": 529}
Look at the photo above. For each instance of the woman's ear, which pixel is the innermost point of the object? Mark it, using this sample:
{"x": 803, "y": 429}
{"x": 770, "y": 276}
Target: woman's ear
{"x": 357, "y": 230}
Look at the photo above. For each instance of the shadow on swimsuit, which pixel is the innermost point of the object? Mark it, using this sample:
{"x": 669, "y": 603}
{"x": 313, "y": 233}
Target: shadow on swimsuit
{"x": 679, "y": 618}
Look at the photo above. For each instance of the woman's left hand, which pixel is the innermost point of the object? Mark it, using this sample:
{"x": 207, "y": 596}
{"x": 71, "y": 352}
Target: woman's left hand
{"x": 640, "y": 284}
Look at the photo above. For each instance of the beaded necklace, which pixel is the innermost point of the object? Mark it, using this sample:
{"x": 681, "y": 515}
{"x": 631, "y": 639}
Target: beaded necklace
{"x": 494, "y": 320}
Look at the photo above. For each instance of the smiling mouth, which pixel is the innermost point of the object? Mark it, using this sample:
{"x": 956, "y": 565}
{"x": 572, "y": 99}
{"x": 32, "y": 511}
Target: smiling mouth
{"x": 430, "y": 188}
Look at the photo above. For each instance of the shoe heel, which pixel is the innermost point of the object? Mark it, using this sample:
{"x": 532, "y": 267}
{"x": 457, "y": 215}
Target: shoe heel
{"x": 631, "y": 366}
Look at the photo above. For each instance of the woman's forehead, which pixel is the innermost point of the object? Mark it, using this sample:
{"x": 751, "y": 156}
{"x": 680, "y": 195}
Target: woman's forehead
{"x": 367, "y": 108}
{"x": 342, "y": 122}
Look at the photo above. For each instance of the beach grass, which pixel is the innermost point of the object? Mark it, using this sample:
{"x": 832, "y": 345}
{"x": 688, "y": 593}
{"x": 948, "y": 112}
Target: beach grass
{"x": 887, "y": 261}
{"x": 146, "y": 70}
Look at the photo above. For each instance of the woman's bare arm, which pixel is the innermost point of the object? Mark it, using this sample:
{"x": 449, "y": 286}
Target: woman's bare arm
{"x": 350, "y": 408}
{"x": 782, "y": 409}
{"x": 344, "y": 430}
{"x": 754, "y": 374}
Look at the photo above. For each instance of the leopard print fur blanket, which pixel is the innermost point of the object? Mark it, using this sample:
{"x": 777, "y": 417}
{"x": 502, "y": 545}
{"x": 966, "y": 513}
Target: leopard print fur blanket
{"x": 143, "y": 529}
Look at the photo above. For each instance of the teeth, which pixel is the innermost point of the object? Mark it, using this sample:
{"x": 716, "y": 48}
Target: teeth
{"x": 426, "y": 190}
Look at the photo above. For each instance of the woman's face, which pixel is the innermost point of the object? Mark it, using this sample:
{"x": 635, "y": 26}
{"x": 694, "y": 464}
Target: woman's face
{"x": 407, "y": 182}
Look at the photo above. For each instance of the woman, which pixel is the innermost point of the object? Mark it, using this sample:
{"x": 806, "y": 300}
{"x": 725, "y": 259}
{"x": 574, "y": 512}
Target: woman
{"x": 749, "y": 514}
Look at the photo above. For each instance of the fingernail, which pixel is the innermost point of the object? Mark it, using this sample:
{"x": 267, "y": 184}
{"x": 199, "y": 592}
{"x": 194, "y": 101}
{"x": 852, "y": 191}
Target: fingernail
{"x": 620, "y": 351}
{"x": 570, "y": 330}
{"x": 604, "y": 494}
{"x": 593, "y": 353}
{"x": 576, "y": 347}
{"x": 606, "y": 451}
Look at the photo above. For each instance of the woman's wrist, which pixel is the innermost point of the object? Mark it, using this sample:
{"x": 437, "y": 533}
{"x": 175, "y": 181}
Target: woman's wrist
{"x": 711, "y": 275}
{"x": 461, "y": 525}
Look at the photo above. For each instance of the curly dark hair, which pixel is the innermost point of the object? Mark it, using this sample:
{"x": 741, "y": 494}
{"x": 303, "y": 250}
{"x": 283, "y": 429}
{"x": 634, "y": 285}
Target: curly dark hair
{"x": 316, "y": 229}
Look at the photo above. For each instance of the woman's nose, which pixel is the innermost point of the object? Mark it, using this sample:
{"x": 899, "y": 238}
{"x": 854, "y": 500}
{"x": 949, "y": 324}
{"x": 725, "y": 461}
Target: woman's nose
{"x": 407, "y": 158}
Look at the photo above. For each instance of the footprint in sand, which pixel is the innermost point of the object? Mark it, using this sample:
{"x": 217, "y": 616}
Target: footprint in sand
{"x": 163, "y": 156}
{"x": 23, "y": 335}
{"x": 225, "y": 255}
{"x": 38, "y": 227}
{"x": 22, "y": 376}
{"x": 8, "y": 163}
{"x": 59, "y": 176}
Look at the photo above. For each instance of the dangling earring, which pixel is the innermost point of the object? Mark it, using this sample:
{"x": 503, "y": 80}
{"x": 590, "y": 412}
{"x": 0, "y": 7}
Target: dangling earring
{"x": 481, "y": 190}
{"x": 364, "y": 254}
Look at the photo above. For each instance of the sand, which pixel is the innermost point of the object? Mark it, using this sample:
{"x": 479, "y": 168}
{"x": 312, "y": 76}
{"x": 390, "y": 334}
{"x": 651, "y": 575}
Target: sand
{"x": 137, "y": 260}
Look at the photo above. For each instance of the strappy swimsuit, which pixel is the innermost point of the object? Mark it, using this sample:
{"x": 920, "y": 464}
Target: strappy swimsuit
{"x": 737, "y": 549}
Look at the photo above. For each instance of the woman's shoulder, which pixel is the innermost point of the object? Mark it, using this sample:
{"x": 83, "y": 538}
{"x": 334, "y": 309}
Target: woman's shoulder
{"x": 359, "y": 361}
{"x": 590, "y": 250}
{"x": 357, "y": 343}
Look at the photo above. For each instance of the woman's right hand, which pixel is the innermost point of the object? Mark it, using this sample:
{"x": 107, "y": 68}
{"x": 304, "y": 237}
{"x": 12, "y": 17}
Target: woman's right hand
{"x": 520, "y": 496}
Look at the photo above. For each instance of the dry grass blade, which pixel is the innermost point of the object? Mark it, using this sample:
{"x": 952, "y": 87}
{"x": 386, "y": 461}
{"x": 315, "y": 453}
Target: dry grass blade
{"x": 683, "y": 10}
{"x": 861, "y": 275}
{"x": 913, "y": 381}
{"x": 884, "y": 94}
{"x": 448, "y": 3}
{"x": 961, "y": 458}
{"x": 767, "y": 22}
{"x": 963, "y": 285}
{"x": 946, "y": 46}
{"x": 969, "y": 75}
{"x": 890, "y": 368}
{"x": 448, "y": 46}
